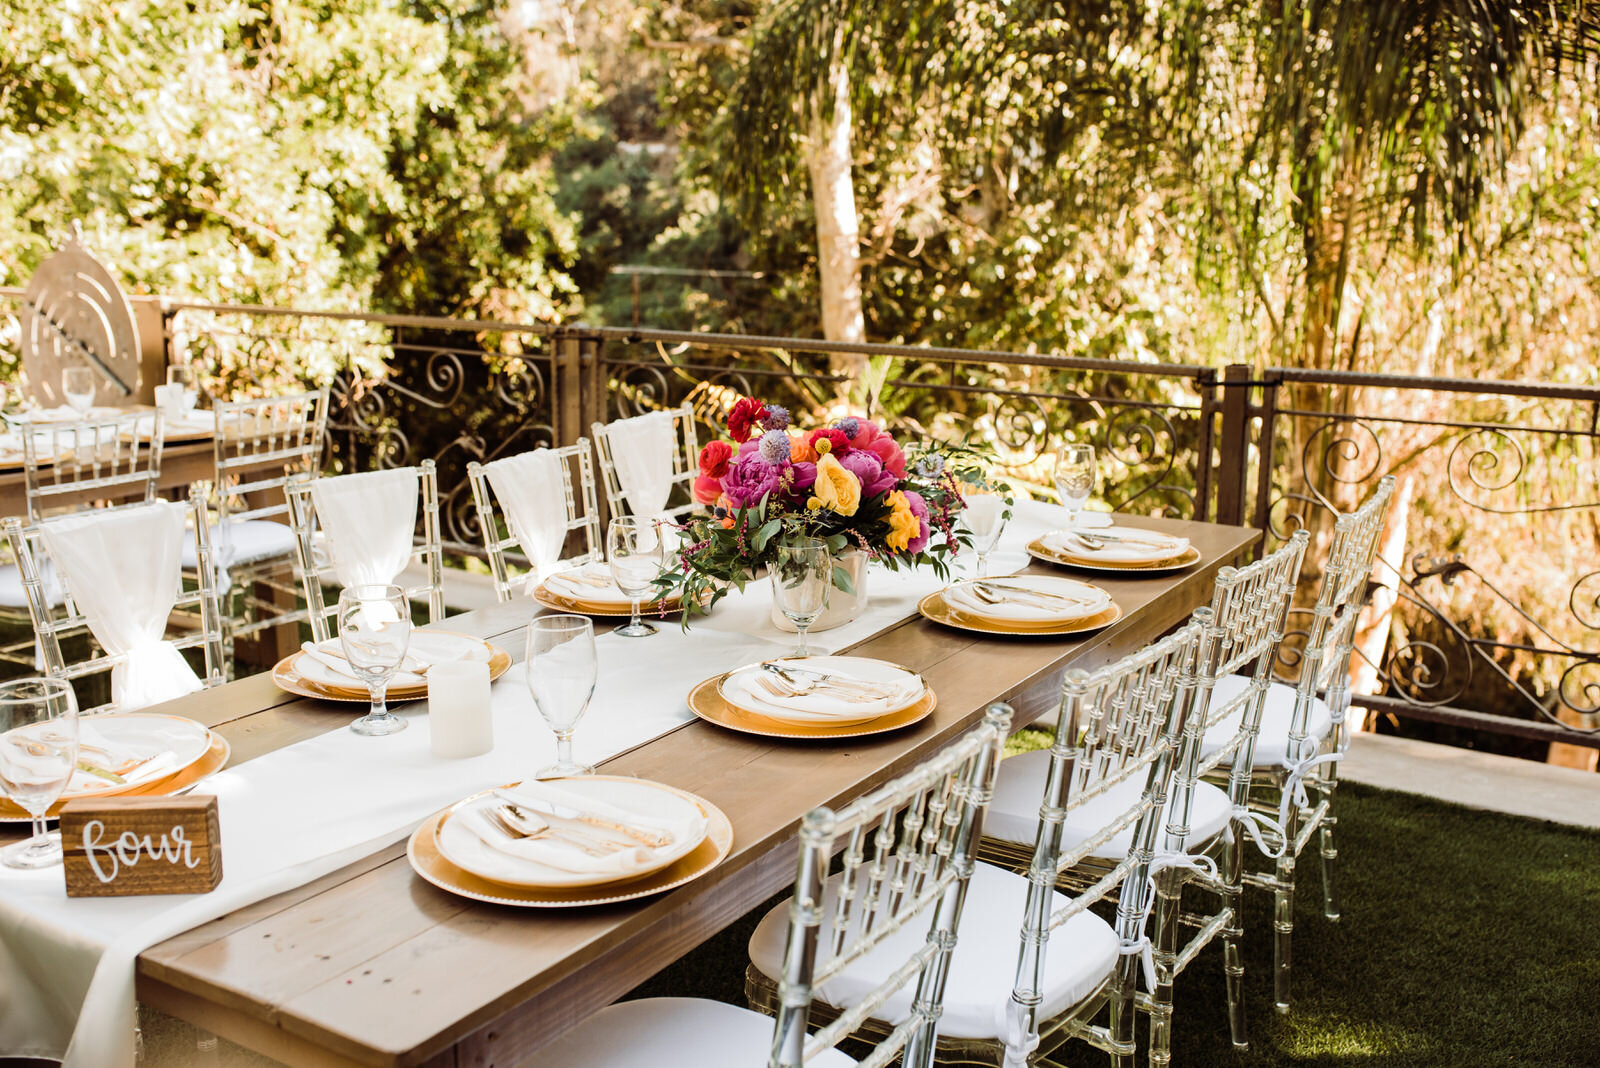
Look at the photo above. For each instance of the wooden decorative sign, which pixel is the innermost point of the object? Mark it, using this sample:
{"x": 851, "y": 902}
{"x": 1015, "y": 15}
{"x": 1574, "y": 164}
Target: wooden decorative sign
{"x": 122, "y": 846}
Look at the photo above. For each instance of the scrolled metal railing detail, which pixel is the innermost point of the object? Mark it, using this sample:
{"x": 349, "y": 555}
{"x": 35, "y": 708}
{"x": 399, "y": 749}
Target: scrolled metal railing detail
{"x": 1475, "y": 465}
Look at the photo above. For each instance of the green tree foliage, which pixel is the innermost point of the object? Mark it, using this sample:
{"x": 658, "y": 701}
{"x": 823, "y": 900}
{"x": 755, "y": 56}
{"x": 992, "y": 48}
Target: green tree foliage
{"x": 360, "y": 154}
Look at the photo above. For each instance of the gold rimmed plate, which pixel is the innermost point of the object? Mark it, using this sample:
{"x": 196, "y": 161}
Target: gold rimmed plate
{"x": 287, "y": 677}
{"x": 606, "y": 609}
{"x": 1040, "y": 551}
{"x": 937, "y": 609}
{"x": 707, "y": 702}
{"x": 431, "y": 865}
{"x": 213, "y": 761}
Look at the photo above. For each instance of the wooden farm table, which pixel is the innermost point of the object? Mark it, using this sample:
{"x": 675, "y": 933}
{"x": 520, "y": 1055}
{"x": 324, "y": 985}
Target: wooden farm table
{"x": 182, "y": 462}
{"x": 371, "y": 965}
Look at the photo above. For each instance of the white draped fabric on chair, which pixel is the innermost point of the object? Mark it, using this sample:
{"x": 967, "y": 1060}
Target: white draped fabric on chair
{"x": 368, "y": 520}
{"x": 533, "y": 496}
{"x": 122, "y": 568}
{"x": 643, "y": 457}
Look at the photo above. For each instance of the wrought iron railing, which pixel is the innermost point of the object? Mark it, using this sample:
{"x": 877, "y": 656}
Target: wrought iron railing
{"x": 1504, "y": 476}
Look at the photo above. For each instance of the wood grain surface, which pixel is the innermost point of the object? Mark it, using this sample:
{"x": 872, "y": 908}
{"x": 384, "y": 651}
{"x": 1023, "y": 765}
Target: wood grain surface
{"x": 127, "y": 846}
{"x": 371, "y": 965}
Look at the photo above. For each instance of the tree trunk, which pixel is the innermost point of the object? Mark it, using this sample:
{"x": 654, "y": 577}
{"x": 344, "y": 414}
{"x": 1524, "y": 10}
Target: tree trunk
{"x": 1372, "y": 629}
{"x": 838, "y": 230}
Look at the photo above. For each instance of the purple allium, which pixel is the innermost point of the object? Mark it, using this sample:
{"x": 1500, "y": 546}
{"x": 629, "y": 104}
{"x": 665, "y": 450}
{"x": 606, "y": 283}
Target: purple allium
{"x": 777, "y": 418}
{"x": 775, "y": 447}
{"x": 931, "y": 465}
{"x": 850, "y": 425}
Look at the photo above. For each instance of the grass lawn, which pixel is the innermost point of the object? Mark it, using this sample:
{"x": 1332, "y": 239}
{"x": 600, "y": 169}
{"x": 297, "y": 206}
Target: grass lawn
{"x": 1468, "y": 939}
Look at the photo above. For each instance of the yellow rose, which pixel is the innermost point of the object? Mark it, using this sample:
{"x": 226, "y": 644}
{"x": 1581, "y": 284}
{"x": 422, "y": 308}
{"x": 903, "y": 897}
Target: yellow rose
{"x": 838, "y": 489}
{"x": 903, "y": 522}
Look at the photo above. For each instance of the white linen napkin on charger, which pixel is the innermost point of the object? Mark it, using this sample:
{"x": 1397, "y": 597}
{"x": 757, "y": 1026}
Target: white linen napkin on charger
{"x": 1141, "y": 546}
{"x": 642, "y": 451}
{"x": 533, "y": 495}
{"x": 1021, "y": 607}
{"x": 826, "y": 704}
{"x": 121, "y": 566}
{"x": 591, "y": 582}
{"x": 368, "y": 519}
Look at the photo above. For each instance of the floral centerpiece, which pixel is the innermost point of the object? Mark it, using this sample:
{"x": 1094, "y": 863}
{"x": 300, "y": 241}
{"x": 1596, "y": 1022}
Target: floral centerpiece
{"x": 849, "y": 483}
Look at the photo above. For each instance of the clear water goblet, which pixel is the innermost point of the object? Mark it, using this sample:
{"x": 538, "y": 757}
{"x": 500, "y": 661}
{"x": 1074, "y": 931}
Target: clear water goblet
{"x": 636, "y": 553}
{"x": 375, "y": 631}
{"x": 1075, "y": 477}
{"x": 984, "y": 518}
{"x": 38, "y": 752}
{"x": 561, "y": 672}
{"x": 801, "y": 576}
{"x": 77, "y": 386}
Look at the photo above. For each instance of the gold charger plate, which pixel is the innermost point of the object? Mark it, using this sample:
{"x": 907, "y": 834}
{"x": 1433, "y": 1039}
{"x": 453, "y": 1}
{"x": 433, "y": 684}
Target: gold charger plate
{"x": 428, "y": 862}
{"x": 605, "y": 609}
{"x": 1040, "y": 551}
{"x": 707, "y": 702}
{"x": 214, "y": 760}
{"x": 288, "y": 678}
{"x": 936, "y": 608}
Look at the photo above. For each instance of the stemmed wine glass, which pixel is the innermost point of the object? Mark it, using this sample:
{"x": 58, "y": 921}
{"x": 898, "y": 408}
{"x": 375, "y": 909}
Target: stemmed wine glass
{"x": 38, "y": 752}
{"x": 801, "y": 576}
{"x": 562, "y": 670}
{"x": 375, "y": 630}
{"x": 1074, "y": 476}
{"x": 636, "y": 554}
{"x": 984, "y": 517}
{"x": 77, "y": 386}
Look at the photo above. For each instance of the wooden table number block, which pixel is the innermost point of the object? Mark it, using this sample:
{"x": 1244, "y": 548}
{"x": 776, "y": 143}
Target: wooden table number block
{"x": 118, "y": 846}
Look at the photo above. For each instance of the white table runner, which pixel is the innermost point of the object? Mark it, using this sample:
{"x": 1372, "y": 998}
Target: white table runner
{"x": 298, "y": 813}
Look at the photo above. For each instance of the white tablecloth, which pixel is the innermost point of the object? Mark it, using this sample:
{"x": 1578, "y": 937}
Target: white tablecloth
{"x": 296, "y": 814}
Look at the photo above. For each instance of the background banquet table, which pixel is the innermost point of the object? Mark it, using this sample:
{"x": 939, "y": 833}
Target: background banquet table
{"x": 371, "y": 965}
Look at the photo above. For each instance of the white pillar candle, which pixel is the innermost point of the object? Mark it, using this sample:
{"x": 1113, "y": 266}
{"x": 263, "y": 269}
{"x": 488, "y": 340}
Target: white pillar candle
{"x": 458, "y": 709}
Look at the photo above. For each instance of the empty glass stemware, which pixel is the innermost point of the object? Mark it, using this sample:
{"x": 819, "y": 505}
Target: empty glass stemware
{"x": 561, "y": 672}
{"x": 801, "y": 576}
{"x": 635, "y": 551}
{"x": 38, "y": 752}
{"x": 375, "y": 631}
{"x": 1074, "y": 477}
{"x": 77, "y": 386}
{"x": 984, "y": 517}
{"x": 181, "y": 378}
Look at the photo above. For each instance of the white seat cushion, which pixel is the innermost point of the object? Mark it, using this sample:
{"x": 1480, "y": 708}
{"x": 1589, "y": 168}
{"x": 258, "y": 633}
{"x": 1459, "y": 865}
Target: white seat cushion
{"x": 1081, "y": 955}
{"x": 1014, "y": 813}
{"x": 13, "y": 596}
{"x": 654, "y": 1032}
{"x": 1272, "y": 743}
{"x": 251, "y": 540}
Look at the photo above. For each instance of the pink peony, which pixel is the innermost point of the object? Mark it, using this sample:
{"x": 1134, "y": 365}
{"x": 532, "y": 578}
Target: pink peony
{"x": 866, "y": 466}
{"x": 798, "y": 480}
{"x": 884, "y": 448}
{"x": 749, "y": 479}
{"x": 919, "y": 508}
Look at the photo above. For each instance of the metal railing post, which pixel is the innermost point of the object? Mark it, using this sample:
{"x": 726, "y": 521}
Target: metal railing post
{"x": 1266, "y": 448}
{"x": 1233, "y": 442}
{"x": 567, "y": 405}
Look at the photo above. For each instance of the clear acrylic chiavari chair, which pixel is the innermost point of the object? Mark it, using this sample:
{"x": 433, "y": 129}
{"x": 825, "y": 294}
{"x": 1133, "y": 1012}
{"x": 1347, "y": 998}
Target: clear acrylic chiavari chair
{"x": 259, "y": 445}
{"x": 1033, "y": 967}
{"x": 884, "y": 925}
{"x": 1303, "y": 733}
{"x": 582, "y": 518}
{"x": 67, "y": 648}
{"x": 685, "y": 460}
{"x": 71, "y": 466}
{"x": 314, "y": 560}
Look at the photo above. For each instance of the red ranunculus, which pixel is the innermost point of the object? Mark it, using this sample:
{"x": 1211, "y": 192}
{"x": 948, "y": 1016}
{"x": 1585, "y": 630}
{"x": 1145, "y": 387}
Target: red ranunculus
{"x": 838, "y": 444}
{"x": 714, "y": 459}
{"x": 745, "y": 415}
{"x": 707, "y": 489}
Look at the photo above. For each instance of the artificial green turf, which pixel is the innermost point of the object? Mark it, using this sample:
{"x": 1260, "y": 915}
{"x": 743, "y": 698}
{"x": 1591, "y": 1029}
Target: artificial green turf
{"x": 1468, "y": 939}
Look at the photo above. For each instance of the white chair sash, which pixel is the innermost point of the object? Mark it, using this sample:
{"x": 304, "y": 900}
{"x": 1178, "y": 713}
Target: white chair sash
{"x": 643, "y": 450}
{"x": 532, "y": 494}
{"x": 122, "y": 569}
{"x": 369, "y": 519}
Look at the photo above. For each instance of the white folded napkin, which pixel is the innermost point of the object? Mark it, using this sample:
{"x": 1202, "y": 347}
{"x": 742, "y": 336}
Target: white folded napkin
{"x": 122, "y": 567}
{"x": 570, "y": 584}
{"x": 324, "y": 663}
{"x": 684, "y": 830}
{"x": 1141, "y": 546}
{"x": 187, "y": 423}
{"x": 532, "y": 492}
{"x": 162, "y": 745}
{"x": 824, "y": 704}
{"x": 65, "y": 413}
{"x": 642, "y": 451}
{"x": 369, "y": 519}
{"x": 1020, "y": 607}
